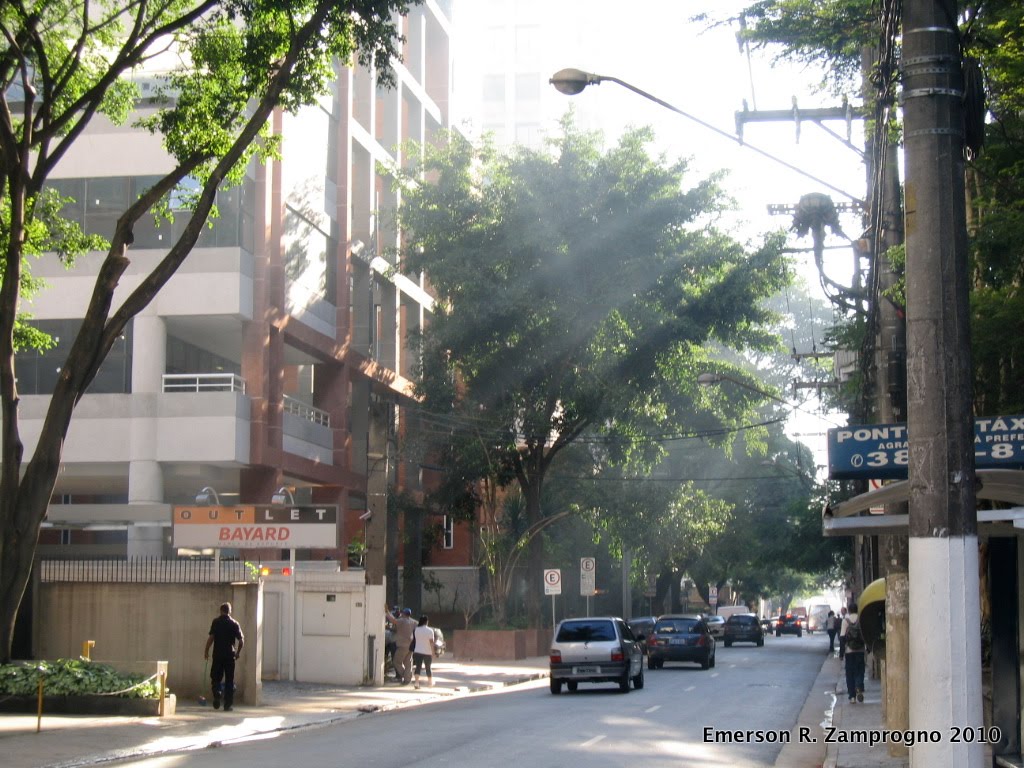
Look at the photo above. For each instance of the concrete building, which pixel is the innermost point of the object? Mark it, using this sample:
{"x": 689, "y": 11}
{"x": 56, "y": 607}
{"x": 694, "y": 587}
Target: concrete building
{"x": 256, "y": 366}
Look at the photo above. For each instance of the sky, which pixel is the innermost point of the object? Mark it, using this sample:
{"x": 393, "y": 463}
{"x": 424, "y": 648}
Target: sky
{"x": 655, "y": 46}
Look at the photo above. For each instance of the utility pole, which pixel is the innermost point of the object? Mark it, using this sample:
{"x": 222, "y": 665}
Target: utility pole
{"x": 945, "y": 670}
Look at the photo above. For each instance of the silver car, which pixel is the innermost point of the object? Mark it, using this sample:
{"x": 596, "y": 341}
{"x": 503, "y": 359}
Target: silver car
{"x": 599, "y": 649}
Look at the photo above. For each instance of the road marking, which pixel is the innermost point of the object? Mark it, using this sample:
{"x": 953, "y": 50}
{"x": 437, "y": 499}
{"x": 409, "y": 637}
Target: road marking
{"x": 655, "y": 708}
{"x": 687, "y": 690}
{"x": 592, "y": 742}
{"x": 714, "y": 674}
{"x": 732, "y": 666}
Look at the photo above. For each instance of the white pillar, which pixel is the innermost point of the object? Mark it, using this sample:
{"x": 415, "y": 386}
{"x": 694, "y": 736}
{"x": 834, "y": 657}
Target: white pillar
{"x": 149, "y": 353}
{"x": 945, "y": 665}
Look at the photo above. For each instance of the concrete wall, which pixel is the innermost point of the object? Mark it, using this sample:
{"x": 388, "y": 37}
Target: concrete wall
{"x": 160, "y": 622}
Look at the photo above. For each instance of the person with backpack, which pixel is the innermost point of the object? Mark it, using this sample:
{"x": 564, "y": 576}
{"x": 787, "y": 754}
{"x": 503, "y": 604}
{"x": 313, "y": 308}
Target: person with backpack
{"x": 832, "y": 627}
{"x": 852, "y": 635}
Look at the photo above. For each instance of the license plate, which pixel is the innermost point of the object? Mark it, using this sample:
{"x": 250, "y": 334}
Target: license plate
{"x": 586, "y": 670}
{"x": 677, "y": 641}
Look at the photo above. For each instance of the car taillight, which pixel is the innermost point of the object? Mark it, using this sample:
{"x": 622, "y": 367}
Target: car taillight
{"x": 555, "y": 657}
{"x": 702, "y": 640}
{"x": 618, "y": 655}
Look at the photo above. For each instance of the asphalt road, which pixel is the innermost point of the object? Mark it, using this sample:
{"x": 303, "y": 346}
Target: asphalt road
{"x": 756, "y": 691}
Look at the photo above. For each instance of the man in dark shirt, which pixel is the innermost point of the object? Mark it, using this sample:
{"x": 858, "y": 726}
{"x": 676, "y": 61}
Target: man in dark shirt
{"x": 224, "y": 634}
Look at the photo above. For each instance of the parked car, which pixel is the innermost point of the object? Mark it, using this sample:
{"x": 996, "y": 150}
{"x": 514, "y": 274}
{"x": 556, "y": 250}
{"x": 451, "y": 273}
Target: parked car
{"x": 716, "y": 625}
{"x": 598, "y": 649}
{"x": 681, "y": 637}
{"x": 768, "y": 624}
{"x": 641, "y": 627}
{"x": 743, "y": 628}
{"x": 789, "y": 624}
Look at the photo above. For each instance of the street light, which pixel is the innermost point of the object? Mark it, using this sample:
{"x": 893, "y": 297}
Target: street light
{"x": 571, "y": 82}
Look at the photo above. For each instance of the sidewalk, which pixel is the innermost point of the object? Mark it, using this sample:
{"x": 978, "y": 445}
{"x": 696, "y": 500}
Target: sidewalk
{"x": 66, "y": 741}
{"x": 856, "y": 718}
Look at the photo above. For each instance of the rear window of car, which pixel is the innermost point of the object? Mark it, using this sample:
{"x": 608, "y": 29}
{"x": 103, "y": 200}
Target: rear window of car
{"x": 742, "y": 620}
{"x": 586, "y": 631}
{"x": 676, "y": 625}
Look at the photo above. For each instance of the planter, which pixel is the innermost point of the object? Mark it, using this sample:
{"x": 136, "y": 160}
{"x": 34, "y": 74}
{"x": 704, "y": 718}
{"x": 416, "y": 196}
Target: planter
{"x": 88, "y": 705}
{"x": 500, "y": 644}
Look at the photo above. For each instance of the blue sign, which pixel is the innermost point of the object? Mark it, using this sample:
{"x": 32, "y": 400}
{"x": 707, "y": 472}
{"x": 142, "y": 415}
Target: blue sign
{"x": 881, "y": 450}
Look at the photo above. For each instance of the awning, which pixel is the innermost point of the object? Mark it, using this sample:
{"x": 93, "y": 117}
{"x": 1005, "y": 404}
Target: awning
{"x": 844, "y": 519}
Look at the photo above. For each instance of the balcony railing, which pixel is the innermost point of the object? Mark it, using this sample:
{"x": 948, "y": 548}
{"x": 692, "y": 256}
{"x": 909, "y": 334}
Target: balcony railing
{"x": 307, "y": 412}
{"x": 203, "y": 382}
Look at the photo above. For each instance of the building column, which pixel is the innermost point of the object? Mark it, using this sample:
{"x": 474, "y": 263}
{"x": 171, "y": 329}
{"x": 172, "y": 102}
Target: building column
{"x": 145, "y": 476}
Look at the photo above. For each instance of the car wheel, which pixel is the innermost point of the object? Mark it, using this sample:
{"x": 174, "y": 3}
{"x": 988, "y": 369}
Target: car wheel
{"x": 706, "y": 662}
{"x": 651, "y": 663}
{"x": 760, "y": 642}
{"x": 624, "y": 682}
{"x": 661, "y": 663}
{"x": 712, "y": 660}
{"x": 638, "y": 681}
{"x": 799, "y": 633}
{"x": 778, "y": 633}
{"x": 728, "y": 643}
{"x": 572, "y": 685}
{"x": 556, "y": 686}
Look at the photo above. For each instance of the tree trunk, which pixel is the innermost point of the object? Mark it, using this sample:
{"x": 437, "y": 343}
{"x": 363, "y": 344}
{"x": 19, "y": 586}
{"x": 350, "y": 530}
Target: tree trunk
{"x": 535, "y": 561}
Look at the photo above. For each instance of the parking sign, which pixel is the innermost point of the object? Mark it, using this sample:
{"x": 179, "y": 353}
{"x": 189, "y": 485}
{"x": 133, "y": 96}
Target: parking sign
{"x": 552, "y": 581}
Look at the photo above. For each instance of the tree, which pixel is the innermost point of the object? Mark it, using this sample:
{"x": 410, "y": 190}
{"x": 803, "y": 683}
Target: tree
{"x": 67, "y": 61}
{"x": 576, "y": 291}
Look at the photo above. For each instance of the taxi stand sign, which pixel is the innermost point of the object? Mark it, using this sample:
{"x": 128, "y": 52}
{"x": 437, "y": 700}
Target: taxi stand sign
{"x": 553, "y": 587}
{"x": 248, "y": 526}
{"x": 881, "y": 451}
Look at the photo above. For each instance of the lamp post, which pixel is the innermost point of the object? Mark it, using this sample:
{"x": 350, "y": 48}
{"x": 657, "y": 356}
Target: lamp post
{"x": 572, "y": 82}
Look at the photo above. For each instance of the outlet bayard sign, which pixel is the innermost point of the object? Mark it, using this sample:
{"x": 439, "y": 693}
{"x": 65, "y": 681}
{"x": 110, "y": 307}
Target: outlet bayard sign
{"x": 882, "y": 450}
{"x": 246, "y": 526}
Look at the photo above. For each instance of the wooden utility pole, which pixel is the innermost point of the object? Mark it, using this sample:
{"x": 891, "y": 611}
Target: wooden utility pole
{"x": 945, "y": 669}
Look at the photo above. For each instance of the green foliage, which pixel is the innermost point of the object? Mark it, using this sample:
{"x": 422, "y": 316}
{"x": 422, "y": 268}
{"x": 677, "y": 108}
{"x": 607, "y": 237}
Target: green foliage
{"x": 73, "y": 677}
{"x": 826, "y": 33}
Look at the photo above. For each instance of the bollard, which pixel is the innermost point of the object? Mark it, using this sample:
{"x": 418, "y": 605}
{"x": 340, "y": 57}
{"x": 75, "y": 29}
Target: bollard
{"x": 39, "y": 706}
{"x": 163, "y": 693}
{"x": 87, "y": 646}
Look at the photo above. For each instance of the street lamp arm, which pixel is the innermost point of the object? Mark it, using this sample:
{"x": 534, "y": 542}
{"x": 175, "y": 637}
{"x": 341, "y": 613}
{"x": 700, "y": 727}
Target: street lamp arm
{"x": 572, "y": 82}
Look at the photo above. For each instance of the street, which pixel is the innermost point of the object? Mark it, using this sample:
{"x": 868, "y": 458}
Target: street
{"x": 751, "y": 690}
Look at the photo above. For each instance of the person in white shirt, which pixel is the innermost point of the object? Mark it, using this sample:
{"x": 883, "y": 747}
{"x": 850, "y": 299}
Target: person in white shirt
{"x": 423, "y": 650}
{"x": 853, "y": 636}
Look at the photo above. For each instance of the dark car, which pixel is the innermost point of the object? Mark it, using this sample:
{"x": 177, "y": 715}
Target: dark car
{"x": 681, "y": 638}
{"x": 595, "y": 650}
{"x": 789, "y": 624}
{"x": 641, "y": 627}
{"x": 743, "y": 628}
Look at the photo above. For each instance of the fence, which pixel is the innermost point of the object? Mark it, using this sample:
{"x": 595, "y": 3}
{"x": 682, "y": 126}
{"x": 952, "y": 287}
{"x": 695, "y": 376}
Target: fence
{"x": 148, "y": 570}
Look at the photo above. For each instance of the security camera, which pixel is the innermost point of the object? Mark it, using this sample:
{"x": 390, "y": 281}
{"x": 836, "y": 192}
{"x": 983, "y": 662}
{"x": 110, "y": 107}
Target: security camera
{"x": 366, "y": 515}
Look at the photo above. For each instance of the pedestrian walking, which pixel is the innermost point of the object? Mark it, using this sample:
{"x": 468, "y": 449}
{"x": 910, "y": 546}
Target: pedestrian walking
{"x": 832, "y": 627}
{"x": 855, "y": 650}
{"x": 405, "y": 626}
{"x": 423, "y": 653}
{"x": 842, "y": 640}
{"x": 226, "y": 639}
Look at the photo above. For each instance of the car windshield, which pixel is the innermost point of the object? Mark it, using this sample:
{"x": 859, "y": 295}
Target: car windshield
{"x": 742, "y": 620}
{"x": 669, "y": 626}
{"x": 585, "y": 631}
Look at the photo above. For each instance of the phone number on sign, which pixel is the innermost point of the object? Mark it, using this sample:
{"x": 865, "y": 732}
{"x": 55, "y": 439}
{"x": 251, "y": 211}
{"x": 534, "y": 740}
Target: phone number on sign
{"x": 873, "y": 737}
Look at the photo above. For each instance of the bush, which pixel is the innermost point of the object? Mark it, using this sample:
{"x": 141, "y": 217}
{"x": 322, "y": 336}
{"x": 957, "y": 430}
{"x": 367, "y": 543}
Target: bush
{"x": 73, "y": 677}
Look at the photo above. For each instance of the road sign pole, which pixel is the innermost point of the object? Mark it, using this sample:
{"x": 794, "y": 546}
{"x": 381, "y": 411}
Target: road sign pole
{"x": 553, "y": 622}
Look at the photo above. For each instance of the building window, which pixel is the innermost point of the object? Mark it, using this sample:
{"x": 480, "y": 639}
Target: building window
{"x": 37, "y": 371}
{"x": 96, "y": 203}
{"x": 494, "y": 88}
{"x": 528, "y": 86}
{"x": 448, "y": 537}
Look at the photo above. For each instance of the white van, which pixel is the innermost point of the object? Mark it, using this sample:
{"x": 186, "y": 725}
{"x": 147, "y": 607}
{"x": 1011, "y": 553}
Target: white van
{"x": 725, "y": 611}
{"x": 816, "y": 617}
